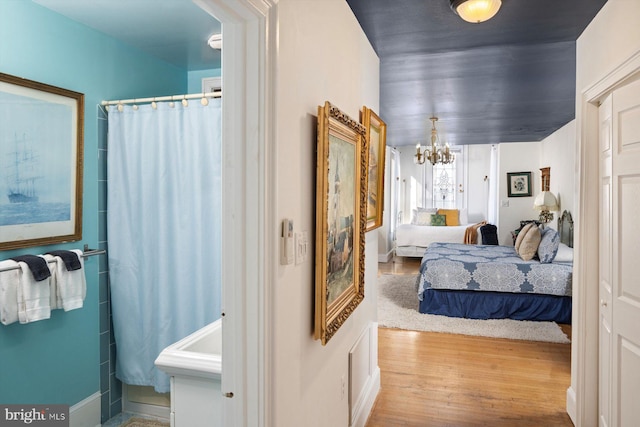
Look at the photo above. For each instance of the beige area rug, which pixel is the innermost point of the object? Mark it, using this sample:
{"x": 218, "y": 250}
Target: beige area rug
{"x": 142, "y": 422}
{"x": 398, "y": 308}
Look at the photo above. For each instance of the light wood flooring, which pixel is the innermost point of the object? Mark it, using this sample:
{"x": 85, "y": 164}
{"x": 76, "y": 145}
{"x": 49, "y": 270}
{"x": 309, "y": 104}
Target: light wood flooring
{"x": 435, "y": 379}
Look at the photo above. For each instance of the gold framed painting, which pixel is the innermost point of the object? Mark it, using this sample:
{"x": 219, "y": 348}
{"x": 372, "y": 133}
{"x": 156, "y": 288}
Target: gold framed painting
{"x": 377, "y": 143}
{"x": 41, "y": 129}
{"x": 341, "y": 190}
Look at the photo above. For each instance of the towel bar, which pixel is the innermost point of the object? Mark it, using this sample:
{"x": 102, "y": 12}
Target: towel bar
{"x": 85, "y": 254}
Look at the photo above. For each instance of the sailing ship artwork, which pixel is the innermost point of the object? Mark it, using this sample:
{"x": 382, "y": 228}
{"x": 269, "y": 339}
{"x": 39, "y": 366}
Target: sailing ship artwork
{"x": 30, "y": 197}
{"x": 40, "y": 163}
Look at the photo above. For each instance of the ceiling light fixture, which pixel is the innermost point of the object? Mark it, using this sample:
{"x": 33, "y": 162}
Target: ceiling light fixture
{"x": 215, "y": 42}
{"x": 437, "y": 153}
{"x": 476, "y": 11}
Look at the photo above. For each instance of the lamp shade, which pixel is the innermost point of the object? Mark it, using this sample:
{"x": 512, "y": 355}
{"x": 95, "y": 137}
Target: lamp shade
{"x": 476, "y": 11}
{"x": 546, "y": 201}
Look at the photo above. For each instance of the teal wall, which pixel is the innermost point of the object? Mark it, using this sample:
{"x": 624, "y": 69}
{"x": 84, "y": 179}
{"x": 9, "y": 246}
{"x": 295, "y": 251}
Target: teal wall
{"x": 194, "y": 78}
{"x": 58, "y": 360}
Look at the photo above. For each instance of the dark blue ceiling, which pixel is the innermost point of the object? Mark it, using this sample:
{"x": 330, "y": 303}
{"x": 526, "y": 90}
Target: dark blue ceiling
{"x": 510, "y": 79}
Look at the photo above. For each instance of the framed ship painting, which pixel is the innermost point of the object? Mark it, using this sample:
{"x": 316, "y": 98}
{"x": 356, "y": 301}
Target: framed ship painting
{"x": 341, "y": 189}
{"x": 377, "y": 143}
{"x": 41, "y": 149}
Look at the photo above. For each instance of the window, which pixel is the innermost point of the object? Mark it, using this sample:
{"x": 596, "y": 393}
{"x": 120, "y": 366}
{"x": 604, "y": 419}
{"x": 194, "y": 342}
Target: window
{"x": 443, "y": 190}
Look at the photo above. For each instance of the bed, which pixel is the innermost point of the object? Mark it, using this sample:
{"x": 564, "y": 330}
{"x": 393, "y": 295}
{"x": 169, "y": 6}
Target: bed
{"x": 494, "y": 282}
{"x": 414, "y": 238}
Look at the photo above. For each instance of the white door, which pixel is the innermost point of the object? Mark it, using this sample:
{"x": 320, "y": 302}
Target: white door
{"x": 625, "y": 250}
{"x": 605, "y": 350}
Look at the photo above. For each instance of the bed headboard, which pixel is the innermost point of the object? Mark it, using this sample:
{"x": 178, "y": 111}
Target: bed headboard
{"x": 565, "y": 228}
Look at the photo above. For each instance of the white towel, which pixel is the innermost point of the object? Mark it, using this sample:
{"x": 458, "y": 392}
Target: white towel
{"x": 9, "y": 281}
{"x": 71, "y": 286}
{"x": 54, "y": 300}
{"x": 33, "y": 297}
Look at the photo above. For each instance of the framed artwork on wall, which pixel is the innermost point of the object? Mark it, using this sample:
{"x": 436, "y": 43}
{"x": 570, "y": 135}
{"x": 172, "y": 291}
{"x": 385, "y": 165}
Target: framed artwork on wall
{"x": 341, "y": 190}
{"x": 519, "y": 184}
{"x": 377, "y": 142}
{"x": 41, "y": 150}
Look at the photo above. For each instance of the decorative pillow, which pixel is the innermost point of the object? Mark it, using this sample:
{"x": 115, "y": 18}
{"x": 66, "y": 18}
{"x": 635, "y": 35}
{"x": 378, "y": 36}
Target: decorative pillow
{"x": 529, "y": 243}
{"x": 565, "y": 254}
{"x": 437, "y": 219}
{"x": 414, "y": 212}
{"x": 521, "y": 235}
{"x": 548, "y": 248}
{"x": 423, "y": 218}
{"x": 452, "y": 216}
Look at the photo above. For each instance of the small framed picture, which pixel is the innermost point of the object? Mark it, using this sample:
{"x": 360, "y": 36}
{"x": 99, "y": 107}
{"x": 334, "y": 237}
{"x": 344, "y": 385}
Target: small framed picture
{"x": 519, "y": 184}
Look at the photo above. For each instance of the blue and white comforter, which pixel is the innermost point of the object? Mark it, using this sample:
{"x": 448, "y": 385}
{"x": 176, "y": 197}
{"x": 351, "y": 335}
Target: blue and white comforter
{"x": 457, "y": 266}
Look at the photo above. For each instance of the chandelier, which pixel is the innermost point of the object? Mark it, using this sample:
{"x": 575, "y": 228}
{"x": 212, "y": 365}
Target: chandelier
{"x": 437, "y": 153}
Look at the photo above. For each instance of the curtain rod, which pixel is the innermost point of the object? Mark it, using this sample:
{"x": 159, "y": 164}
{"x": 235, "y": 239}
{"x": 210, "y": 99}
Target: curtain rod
{"x": 215, "y": 94}
{"x": 86, "y": 254}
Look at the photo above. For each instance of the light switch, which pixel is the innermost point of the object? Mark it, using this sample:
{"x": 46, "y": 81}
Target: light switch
{"x": 301, "y": 247}
{"x": 505, "y": 203}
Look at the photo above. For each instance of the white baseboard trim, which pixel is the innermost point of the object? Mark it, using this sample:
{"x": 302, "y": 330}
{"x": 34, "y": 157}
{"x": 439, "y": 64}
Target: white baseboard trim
{"x": 385, "y": 257}
{"x": 571, "y": 405}
{"x": 366, "y": 404}
{"x": 86, "y": 413}
{"x": 147, "y": 409}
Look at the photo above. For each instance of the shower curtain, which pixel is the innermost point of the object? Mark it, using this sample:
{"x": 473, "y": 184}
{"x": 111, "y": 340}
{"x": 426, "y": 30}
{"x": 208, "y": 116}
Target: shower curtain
{"x": 164, "y": 230}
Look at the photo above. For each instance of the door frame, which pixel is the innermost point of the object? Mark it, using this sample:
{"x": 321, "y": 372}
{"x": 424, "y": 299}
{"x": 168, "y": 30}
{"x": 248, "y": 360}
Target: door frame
{"x": 249, "y": 30}
{"x": 582, "y": 395}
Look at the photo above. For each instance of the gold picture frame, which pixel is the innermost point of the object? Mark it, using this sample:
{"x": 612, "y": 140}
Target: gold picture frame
{"x": 42, "y": 131}
{"x": 377, "y": 143}
{"x": 341, "y": 191}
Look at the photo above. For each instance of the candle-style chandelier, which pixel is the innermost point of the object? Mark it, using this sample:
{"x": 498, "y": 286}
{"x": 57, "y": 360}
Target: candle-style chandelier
{"x": 437, "y": 153}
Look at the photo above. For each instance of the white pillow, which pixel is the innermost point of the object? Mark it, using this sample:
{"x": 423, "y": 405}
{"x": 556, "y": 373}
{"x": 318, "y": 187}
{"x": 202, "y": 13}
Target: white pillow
{"x": 415, "y": 212}
{"x": 423, "y": 218}
{"x": 565, "y": 254}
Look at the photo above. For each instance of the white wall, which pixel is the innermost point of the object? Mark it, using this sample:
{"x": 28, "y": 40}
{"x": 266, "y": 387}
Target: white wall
{"x": 558, "y": 151}
{"x": 385, "y": 241}
{"x": 516, "y": 157}
{"x": 477, "y": 191}
{"x": 323, "y": 55}
{"x": 411, "y": 176}
{"x": 610, "y": 40}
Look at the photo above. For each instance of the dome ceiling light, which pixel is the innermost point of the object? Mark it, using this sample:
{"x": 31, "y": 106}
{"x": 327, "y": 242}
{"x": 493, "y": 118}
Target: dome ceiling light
{"x": 476, "y": 11}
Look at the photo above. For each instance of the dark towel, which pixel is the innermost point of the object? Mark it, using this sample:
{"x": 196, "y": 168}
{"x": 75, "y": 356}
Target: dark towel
{"x": 70, "y": 259}
{"x": 489, "y": 234}
{"x": 36, "y": 264}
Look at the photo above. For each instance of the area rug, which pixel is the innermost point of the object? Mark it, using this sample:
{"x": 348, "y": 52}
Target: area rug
{"x": 142, "y": 422}
{"x": 398, "y": 308}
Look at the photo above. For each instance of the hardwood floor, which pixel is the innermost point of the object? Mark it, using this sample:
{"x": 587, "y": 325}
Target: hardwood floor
{"x": 434, "y": 379}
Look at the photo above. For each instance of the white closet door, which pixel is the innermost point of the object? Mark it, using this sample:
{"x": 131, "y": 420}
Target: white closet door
{"x": 605, "y": 314}
{"x": 625, "y": 290}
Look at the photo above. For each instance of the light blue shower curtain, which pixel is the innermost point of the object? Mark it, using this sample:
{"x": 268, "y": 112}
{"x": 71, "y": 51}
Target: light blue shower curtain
{"x": 164, "y": 230}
